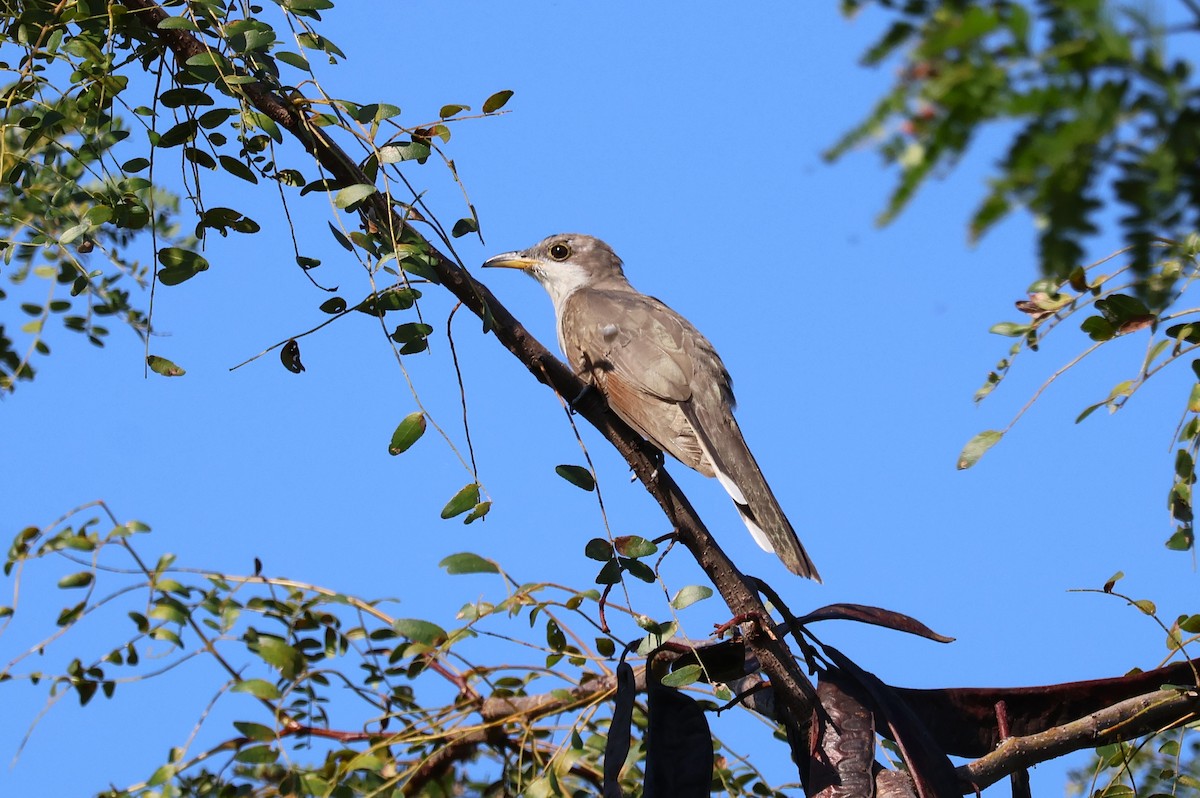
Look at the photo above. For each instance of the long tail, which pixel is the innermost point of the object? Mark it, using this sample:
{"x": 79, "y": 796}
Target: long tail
{"x": 738, "y": 472}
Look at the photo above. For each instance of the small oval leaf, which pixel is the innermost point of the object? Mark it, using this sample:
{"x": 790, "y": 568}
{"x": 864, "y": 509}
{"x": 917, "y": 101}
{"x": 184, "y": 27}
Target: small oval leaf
{"x": 420, "y": 631}
{"x": 352, "y": 194}
{"x": 79, "y": 579}
{"x": 634, "y": 546}
{"x": 496, "y": 101}
{"x": 598, "y": 549}
{"x": 977, "y": 447}
{"x": 407, "y": 433}
{"x": 468, "y": 563}
{"x": 578, "y": 476}
{"x": 682, "y": 677}
{"x": 289, "y": 355}
{"x": 259, "y": 688}
{"x": 464, "y": 500}
{"x": 690, "y": 595}
{"x": 160, "y": 365}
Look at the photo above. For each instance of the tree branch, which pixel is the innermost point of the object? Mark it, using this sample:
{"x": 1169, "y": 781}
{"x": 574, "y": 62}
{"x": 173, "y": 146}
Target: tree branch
{"x": 1134, "y": 717}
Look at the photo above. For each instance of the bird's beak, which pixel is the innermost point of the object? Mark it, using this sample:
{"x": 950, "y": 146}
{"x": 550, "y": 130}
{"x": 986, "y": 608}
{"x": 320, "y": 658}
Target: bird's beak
{"x": 510, "y": 260}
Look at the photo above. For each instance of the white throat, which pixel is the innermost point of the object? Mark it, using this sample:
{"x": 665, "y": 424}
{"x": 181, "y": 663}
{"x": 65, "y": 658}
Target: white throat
{"x": 560, "y": 281}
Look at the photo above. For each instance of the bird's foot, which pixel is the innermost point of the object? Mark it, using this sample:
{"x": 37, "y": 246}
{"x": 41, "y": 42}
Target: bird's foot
{"x": 572, "y": 404}
{"x": 657, "y": 458}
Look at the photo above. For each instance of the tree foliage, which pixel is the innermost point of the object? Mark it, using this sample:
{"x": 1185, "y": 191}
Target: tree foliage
{"x": 1103, "y": 130}
{"x": 104, "y": 98}
{"x": 1090, "y": 100}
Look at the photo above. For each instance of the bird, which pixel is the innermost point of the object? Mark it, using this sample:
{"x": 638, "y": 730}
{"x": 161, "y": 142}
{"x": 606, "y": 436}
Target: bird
{"x": 658, "y": 373}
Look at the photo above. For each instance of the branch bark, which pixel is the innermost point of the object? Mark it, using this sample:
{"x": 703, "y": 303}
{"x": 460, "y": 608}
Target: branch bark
{"x": 1126, "y": 720}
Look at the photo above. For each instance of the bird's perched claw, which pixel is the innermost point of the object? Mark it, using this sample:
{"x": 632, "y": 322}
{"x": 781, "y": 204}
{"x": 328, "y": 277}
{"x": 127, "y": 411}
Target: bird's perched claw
{"x": 572, "y": 404}
{"x": 655, "y": 456}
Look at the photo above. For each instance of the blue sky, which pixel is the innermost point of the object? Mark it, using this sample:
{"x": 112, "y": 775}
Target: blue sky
{"x": 691, "y": 143}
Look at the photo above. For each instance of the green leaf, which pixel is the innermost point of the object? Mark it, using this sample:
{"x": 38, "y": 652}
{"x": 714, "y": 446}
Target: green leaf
{"x": 176, "y": 98}
{"x": 341, "y": 239}
{"x": 555, "y": 638}
{"x": 658, "y": 633}
{"x": 78, "y": 579}
{"x": 408, "y": 432}
{"x": 464, "y": 500}
{"x": 1087, "y": 411}
{"x": 130, "y": 167}
{"x": 353, "y": 194}
{"x": 169, "y": 610}
{"x": 334, "y": 305}
{"x": 72, "y": 233}
{"x": 468, "y": 563}
{"x": 1098, "y": 328}
{"x": 639, "y": 570}
{"x": 610, "y": 574}
{"x": 690, "y": 595}
{"x": 70, "y": 615}
{"x": 409, "y": 332}
{"x": 1182, "y": 540}
{"x": 420, "y": 631}
{"x": 1146, "y": 606}
{"x": 686, "y": 675}
{"x": 167, "y": 771}
{"x": 450, "y": 110}
{"x": 1185, "y": 332}
{"x": 181, "y": 133}
{"x": 237, "y": 168}
{"x": 280, "y": 654}
{"x": 464, "y": 226}
{"x": 404, "y": 151}
{"x": 178, "y": 23}
{"x": 977, "y": 447}
{"x": 289, "y": 356}
{"x": 1009, "y": 329}
{"x": 384, "y": 111}
{"x": 199, "y": 157}
{"x": 496, "y": 101}
{"x": 478, "y": 512}
{"x": 257, "y": 755}
{"x": 160, "y": 365}
{"x": 179, "y": 265}
{"x": 1190, "y": 624}
{"x": 293, "y": 59}
{"x": 634, "y": 546}
{"x": 598, "y": 549}
{"x": 578, "y": 476}
{"x": 605, "y": 647}
{"x": 215, "y": 118}
{"x": 259, "y": 688}
{"x": 255, "y": 731}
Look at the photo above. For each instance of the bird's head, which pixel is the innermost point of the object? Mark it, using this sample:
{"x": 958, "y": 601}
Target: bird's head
{"x": 565, "y": 263}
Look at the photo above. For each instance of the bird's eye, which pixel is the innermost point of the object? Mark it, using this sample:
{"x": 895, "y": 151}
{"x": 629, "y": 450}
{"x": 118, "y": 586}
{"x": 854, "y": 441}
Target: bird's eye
{"x": 560, "y": 251}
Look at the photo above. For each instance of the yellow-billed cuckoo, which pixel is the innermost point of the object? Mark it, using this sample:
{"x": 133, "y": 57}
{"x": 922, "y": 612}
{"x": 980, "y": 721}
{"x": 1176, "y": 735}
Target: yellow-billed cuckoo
{"x": 659, "y": 374}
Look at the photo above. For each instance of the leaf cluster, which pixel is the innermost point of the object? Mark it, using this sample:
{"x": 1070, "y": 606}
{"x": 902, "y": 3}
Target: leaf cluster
{"x": 90, "y": 126}
{"x": 332, "y": 695}
{"x": 1085, "y": 92}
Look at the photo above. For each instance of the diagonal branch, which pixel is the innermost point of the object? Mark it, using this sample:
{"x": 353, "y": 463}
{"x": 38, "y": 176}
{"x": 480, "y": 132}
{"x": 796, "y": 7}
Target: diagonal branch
{"x": 1126, "y": 720}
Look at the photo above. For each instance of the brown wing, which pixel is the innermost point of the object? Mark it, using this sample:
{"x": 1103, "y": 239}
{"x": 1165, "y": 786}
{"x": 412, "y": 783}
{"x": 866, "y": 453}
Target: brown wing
{"x": 665, "y": 380}
{"x": 640, "y": 353}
